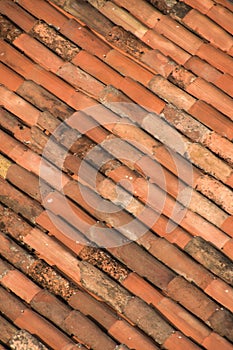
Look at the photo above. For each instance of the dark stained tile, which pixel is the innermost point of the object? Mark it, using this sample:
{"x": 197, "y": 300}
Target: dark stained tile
{"x": 211, "y": 258}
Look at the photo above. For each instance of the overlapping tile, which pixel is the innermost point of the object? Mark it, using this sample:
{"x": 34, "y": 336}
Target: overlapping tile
{"x": 152, "y": 71}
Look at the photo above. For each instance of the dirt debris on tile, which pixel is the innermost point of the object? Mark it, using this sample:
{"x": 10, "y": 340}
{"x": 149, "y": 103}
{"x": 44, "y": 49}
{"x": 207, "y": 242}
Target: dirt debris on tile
{"x": 102, "y": 91}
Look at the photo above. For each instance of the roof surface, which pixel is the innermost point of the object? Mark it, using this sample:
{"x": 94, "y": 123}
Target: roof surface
{"x": 116, "y": 174}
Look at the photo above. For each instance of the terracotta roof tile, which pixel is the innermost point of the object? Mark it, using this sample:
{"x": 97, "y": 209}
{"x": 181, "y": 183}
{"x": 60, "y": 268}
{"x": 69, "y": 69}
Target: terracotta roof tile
{"x": 85, "y": 38}
{"x": 9, "y": 78}
{"x": 191, "y": 297}
{"x": 224, "y": 82}
{"x": 202, "y": 69}
{"x": 212, "y": 118}
{"x": 7, "y": 330}
{"x": 49, "y": 334}
{"x": 45, "y": 101}
{"x": 222, "y": 16}
{"x": 10, "y": 56}
{"x": 202, "y": 6}
{"x": 148, "y": 320}
{"x": 15, "y": 104}
{"x": 97, "y": 68}
{"x": 170, "y": 93}
{"x": 211, "y": 95}
{"x": 56, "y": 42}
{"x": 168, "y": 48}
{"x": 145, "y": 12}
{"x": 122, "y": 331}
{"x": 14, "y": 12}
{"x": 215, "y": 34}
{"x": 20, "y": 285}
{"x": 128, "y": 67}
{"x": 221, "y": 292}
{"x": 176, "y": 341}
{"x": 37, "y": 52}
{"x": 95, "y": 54}
{"x": 43, "y": 10}
{"x": 178, "y": 34}
{"x": 159, "y": 62}
{"x": 124, "y": 19}
{"x": 80, "y": 80}
{"x": 225, "y": 3}
{"x": 214, "y": 341}
{"x": 216, "y": 58}
{"x": 138, "y": 93}
{"x": 87, "y": 332}
{"x": 221, "y": 321}
{"x": 189, "y": 325}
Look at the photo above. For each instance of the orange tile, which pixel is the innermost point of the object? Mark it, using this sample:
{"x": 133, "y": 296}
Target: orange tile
{"x": 143, "y": 97}
{"x": 67, "y": 235}
{"x": 80, "y": 79}
{"x": 15, "y": 60}
{"x": 87, "y": 332}
{"x": 202, "y": 69}
{"x": 198, "y": 226}
{"x": 89, "y": 306}
{"x": 97, "y": 68}
{"x": 226, "y": 4}
{"x": 198, "y": 155}
{"x": 144, "y": 264}
{"x": 216, "y": 58}
{"x": 201, "y": 5}
{"x": 38, "y": 52}
{"x": 229, "y": 181}
{"x": 216, "y": 191}
{"x": 178, "y": 341}
{"x": 141, "y": 10}
{"x": 128, "y": 67}
{"x": 213, "y": 96}
{"x": 9, "y": 78}
{"x": 54, "y": 253}
{"x": 130, "y": 336}
{"x": 15, "y": 104}
{"x": 191, "y": 298}
{"x": 225, "y": 83}
{"x": 85, "y": 39}
{"x": 51, "y": 82}
{"x": 221, "y": 292}
{"x": 220, "y": 146}
{"x": 228, "y": 248}
{"x": 168, "y": 48}
{"x": 222, "y": 16}
{"x": 212, "y": 118}
{"x": 208, "y": 30}
{"x": 179, "y": 262}
{"x": 178, "y": 34}
{"x": 227, "y": 226}
{"x": 53, "y": 107}
{"x": 19, "y": 202}
{"x": 39, "y": 326}
{"x": 216, "y": 342}
{"x": 14, "y": 12}
{"x": 10, "y": 305}
{"x": 123, "y": 18}
{"x": 20, "y": 285}
{"x": 139, "y": 287}
{"x": 171, "y": 93}
{"x": 79, "y": 101}
{"x": 162, "y": 64}
{"x": 43, "y": 10}
{"x": 177, "y": 236}
{"x": 183, "y": 320}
